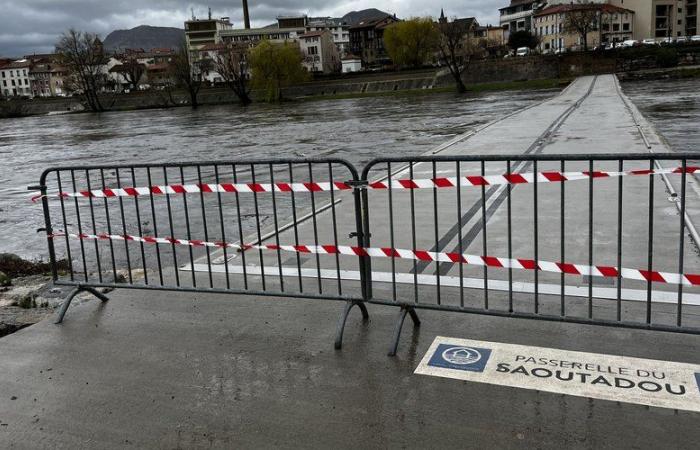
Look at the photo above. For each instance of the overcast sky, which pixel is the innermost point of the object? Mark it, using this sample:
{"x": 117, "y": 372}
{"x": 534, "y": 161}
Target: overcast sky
{"x": 32, "y": 26}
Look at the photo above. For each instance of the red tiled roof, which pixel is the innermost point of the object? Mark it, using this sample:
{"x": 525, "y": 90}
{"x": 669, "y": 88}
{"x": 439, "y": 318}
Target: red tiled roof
{"x": 603, "y": 7}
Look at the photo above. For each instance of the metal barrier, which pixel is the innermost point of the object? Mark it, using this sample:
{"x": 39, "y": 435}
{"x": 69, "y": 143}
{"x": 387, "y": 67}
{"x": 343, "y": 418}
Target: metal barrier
{"x": 528, "y": 236}
{"x": 194, "y": 227}
{"x": 479, "y": 248}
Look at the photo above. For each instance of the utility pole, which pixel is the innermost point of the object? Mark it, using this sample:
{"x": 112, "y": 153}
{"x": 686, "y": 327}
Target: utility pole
{"x": 246, "y": 16}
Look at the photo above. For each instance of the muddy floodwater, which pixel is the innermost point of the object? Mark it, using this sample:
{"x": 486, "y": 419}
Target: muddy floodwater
{"x": 355, "y": 129}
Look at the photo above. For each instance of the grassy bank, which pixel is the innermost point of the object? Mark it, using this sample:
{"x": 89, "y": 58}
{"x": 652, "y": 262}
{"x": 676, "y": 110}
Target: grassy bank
{"x": 551, "y": 83}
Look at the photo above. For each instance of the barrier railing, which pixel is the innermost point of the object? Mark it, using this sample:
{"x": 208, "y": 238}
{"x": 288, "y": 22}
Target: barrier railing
{"x": 587, "y": 239}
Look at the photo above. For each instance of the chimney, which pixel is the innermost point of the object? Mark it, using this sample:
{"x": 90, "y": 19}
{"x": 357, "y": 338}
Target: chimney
{"x": 246, "y": 16}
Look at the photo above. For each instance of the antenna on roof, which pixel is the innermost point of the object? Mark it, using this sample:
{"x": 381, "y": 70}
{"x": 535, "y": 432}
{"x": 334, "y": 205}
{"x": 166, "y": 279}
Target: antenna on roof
{"x": 192, "y": 11}
{"x": 210, "y": 13}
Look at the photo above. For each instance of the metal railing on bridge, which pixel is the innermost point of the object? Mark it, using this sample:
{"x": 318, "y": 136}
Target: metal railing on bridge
{"x": 593, "y": 239}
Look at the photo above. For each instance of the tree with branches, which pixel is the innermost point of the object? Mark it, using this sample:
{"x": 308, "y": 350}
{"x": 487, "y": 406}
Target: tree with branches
{"x": 131, "y": 69}
{"x": 275, "y": 66}
{"x": 457, "y": 46}
{"x": 411, "y": 43}
{"x": 188, "y": 73}
{"x": 581, "y": 18}
{"x": 231, "y": 63}
{"x": 82, "y": 54}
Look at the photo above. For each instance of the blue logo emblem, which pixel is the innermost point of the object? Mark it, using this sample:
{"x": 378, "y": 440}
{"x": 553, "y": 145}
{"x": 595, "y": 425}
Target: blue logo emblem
{"x": 459, "y": 357}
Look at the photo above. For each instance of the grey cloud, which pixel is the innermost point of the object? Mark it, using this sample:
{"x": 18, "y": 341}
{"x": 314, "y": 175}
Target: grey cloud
{"x": 29, "y": 26}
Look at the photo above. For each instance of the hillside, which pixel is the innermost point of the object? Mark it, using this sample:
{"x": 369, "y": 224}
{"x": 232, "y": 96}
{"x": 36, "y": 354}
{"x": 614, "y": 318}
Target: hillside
{"x": 354, "y": 17}
{"x": 145, "y": 37}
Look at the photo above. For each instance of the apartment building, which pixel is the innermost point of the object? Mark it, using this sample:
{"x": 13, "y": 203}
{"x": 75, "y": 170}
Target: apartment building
{"x": 518, "y": 16}
{"x": 662, "y": 18}
{"x": 339, "y": 30}
{"x": 319, "y": 52}
{"x": 367, "y": 40}
{"x": 200, "y": 32}
{"x": 614, "y": 24}
{"x": 14, "y": 79}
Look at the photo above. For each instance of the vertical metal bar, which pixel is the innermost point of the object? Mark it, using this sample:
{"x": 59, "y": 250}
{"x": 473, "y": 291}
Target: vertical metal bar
{"x": 224, "y": 247}
{"x": 188, "y": 228}
{"x": 172, "y": 228}
{"x": 140, "y": 228}
{"x": 458, "y": 178}
{"x": 94, "y": 226}
{"x": 296, "y": 228}
{"x": 155, "y": 226}
{"x": 241, "y": 237}
{"x": 483, "y": 232}
{"x": 650, "y": 245}
{"x": 65, "y": 224}
{"x": 510, "y": 242}
{"x": 49, "y": 229}
{"x": 590, "y": 239}
{"x": 335, "y": 228}
{"x": 679, "y": 312}
{"x": 109, "y": 228}
{"x": 362, "y": 201}
{"x": 536, "y": 243}
{"x": 257, "y": 226}
{"x": 80, "y": 224}
{"x": 277, "y": 230}
{"x": 437, "y": 235}
{"x": 620, "y": 165}
{"x": 562, "y": 239}
{"x": 391, "y": 232}
{"x": 126, "y": 241}
{"x": 204, "y": 224}
{"x": 315, "y": 224}
{"x": 413, "y": 234}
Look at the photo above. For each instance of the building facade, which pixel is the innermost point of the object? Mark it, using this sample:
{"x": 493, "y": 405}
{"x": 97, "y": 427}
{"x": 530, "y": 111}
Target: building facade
{"x": 15, "y": 79}
{"x": 340, "y": 31}
{"x": 46, "y": 79}
{"x": 518, "y": 16}
{"x": 200, "y": 32}
{"x": 613, "y": 24}
{"x": 319, "y": 52}
{"x": 367, "y": 41}
{"x": 660, "y": 19}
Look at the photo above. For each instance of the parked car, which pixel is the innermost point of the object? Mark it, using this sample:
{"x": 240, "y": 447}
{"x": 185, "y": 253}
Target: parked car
{"x": 629, "y": 43}
{"x": 681, "y": 39}
{"x": 695, "y": 38}
{"x": 649, "y": 41}
{"x": 666, "y": 41}
{"x": 522, "y": 51}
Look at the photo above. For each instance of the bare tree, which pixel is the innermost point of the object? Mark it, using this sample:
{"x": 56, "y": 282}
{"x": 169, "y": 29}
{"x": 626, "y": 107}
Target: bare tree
{"x": 457, "y": 47}
{"x": 581, "y": 18}
{"x": 131, "y": 69}
{"x": 188, "y": 73}
{"x": 231, "y": 63}
{"x": 82, "y": 54}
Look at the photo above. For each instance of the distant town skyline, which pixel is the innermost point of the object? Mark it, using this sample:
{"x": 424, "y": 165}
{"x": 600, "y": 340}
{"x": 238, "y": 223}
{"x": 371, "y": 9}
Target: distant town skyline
{"x": 33, "y": 26}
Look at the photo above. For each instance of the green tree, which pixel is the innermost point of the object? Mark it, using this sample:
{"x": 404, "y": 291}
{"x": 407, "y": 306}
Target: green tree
{"x": 275, "y": 66}
{"x": 411, "y": 43}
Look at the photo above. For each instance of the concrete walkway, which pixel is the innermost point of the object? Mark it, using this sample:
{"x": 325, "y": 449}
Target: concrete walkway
{"x": 178, "y": 370}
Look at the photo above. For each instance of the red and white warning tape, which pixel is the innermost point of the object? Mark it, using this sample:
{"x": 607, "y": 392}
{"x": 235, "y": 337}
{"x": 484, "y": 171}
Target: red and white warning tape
{"x": 429, "y": 183}
{"x": 422, "y": 255}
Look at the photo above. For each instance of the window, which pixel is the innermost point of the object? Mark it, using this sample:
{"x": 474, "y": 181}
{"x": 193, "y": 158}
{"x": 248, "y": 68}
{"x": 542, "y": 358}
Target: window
{"x": 625, "y": 26}
{"x": 616, "y": 27}
{"x": 313, "y": 50}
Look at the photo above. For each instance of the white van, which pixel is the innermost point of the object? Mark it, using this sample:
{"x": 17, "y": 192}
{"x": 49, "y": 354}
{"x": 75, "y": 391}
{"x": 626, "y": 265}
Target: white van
{"x": 522, "y": 51}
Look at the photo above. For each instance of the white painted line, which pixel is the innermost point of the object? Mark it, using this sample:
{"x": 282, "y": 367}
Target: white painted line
{"x": 637, "y": 295}
{"x": 649, "y": 382}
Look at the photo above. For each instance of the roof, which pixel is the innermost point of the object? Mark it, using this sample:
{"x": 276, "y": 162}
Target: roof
{"x": 210, "y": 47}
{"x": 517, "y": 3}
{"x": 311, "y": 34}
{"x": 19, "y": 64}
{"x": 603, "y": 7}
{"x": 373, "y": 22}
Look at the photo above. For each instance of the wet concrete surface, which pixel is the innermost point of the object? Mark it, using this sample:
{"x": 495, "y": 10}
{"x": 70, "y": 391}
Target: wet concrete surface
{"x": 203, "y": 371}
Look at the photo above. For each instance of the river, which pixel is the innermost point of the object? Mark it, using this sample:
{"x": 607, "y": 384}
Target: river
{"x": 353, "y": 129}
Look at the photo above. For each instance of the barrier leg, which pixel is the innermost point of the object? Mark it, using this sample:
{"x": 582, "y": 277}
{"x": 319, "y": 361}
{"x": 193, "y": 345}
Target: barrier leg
{"x": 399, "y": 325}
{"x": 71, "y": 296}
{"x": 344, "y": 318}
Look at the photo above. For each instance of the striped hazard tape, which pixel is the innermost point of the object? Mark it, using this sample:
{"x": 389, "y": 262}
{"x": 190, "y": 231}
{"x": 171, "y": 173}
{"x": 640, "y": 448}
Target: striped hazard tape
{"x": 426, "y": 183}
{"x": 420, "y": 255}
